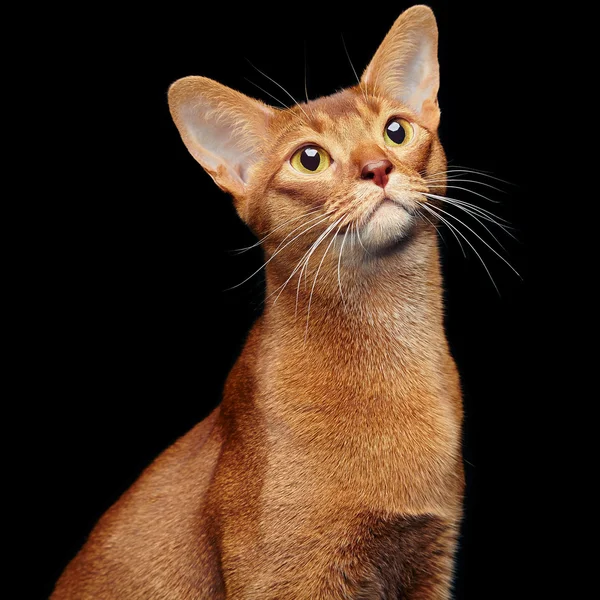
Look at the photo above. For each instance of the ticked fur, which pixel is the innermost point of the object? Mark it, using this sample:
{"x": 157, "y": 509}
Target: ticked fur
{"x": 332, "y": 467}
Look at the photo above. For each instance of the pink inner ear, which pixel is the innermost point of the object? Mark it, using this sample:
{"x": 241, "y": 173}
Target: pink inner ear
{"x": 405, "y": 65}
{"x": 221, "y": 128}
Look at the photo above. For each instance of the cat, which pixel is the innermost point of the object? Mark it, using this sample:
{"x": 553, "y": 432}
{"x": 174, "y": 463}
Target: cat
{"x": 332, "y": 468}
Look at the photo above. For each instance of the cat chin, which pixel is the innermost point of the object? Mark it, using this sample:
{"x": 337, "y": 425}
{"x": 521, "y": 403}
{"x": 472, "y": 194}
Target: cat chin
{"x": 390, "y": 225}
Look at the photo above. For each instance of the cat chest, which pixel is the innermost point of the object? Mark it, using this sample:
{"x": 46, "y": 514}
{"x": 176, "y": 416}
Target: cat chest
{"x": 408, "y": 464}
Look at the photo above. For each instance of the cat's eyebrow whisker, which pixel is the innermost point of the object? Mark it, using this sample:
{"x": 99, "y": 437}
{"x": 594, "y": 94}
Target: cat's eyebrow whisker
{"x": 305, "y": 69}
{"x": 453, "y": 227}
{"x": 324, "y": 218}
{"x": 363, "y": 90}
{"x": 268, "y": 93}
{"x": 481, "y": 239}
{"x": 315, "y": 281}
{"x": 241, "y": 250}
{"x": 282, "y": 88}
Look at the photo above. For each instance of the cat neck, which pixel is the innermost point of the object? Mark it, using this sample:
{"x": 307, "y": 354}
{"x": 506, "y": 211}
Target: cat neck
{"x": 357, "y": 371}
{"x": 361, "y": 308}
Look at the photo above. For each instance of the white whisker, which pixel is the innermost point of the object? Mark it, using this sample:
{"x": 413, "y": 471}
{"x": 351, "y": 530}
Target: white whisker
{"x": 353, "y": 69}
{"x": 278, "y": 251}
{"x": 481, "y": 239}
{"x": 283, "y": 286}
{"x": 305, "y": 69}
{"x": 453, "y": 227}
{"x": 456, "y": 187}
{"x": 360, "y": 240}
{"x": 241, "y": 250}
{"x": 268, "y": 93}
{"x": 338, "y": 266}
{"x": 490, "y": 216}
{"x": 304, "y": 269}
{"x": 471, "y": 172}
{"x": 474, "y": 216}
{"x": 315, "y": 281}
{"x": 434, "y": 226}
{"x": 282, "y": 88}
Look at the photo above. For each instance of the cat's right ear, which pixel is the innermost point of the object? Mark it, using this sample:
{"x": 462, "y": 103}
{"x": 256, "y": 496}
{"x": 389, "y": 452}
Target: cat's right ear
{"x": 224, "y": 130}
{"x": 405, "y": 66}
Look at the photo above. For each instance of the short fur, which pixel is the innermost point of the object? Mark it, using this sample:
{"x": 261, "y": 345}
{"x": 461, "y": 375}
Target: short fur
{"x": 332, "y": 467}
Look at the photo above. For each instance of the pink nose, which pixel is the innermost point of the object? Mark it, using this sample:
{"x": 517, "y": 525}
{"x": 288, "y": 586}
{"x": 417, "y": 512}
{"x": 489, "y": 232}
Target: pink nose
{"x": 378, "y": 172}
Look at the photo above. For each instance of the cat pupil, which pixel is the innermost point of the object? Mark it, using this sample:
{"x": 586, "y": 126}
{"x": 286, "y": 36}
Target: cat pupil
{"x": 310, "y": 159}
{"x": 396, "y": 132}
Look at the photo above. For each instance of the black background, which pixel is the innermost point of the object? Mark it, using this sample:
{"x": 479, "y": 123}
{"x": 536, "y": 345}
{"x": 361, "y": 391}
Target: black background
{"x": 129, "y": 334}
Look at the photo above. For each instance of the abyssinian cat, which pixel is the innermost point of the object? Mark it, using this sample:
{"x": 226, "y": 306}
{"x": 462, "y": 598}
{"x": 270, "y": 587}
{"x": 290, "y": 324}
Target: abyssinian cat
{"x": 332, "y": 467}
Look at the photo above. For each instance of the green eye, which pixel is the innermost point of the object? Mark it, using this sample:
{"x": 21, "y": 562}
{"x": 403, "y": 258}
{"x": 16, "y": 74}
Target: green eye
{"x": 398, "y": 132}
{"x": 310, "y": 159}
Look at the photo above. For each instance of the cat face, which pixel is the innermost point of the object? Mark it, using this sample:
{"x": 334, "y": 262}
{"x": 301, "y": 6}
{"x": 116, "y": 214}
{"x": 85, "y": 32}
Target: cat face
{"x": 349, "y": 165}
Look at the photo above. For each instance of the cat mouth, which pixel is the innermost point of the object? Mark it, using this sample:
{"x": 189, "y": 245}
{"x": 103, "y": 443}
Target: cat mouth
{"x": 386, "y": 204}
{"x": 388, "y": 222}
{"x": 385, "y": 209}
{"x": 399, "y": 203}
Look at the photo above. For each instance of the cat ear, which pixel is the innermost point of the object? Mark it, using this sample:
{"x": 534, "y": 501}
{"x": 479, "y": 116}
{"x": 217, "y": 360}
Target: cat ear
{"x": 405, "y": 66}
{"x": 224, "y": 130}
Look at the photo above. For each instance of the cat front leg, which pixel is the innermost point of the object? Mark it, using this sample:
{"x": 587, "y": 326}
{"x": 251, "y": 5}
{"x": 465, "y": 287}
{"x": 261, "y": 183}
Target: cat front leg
{"x": 390, "y": 557}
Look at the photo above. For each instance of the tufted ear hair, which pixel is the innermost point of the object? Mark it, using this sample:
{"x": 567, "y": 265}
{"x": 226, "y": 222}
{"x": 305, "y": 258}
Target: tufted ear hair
{"x": 405, "y": 66}
{"x": 224, "y": 130}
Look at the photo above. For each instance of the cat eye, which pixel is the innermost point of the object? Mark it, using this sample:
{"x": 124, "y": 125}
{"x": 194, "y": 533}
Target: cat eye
{"x": 310, "y": 159}
{"x": 398, "y": 132}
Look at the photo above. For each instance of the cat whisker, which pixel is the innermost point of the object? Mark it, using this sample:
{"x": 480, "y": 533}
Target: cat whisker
{"x": 242, "y": 250}
{"x": 426, "y": 207}
{"x": 305, "y": 78}
{"x": 338, "y": 265}
{"x": 437, "y": 208}
{"x": 315, "y": 281}
{"x": 422, "y": 216}
{"x": 489, "y": 213}
{"x": 474, "y": 216}
{"x": 464, "y": 170}
{"x": 268, "y": 93}
{"x": 431, "y": 184}
{"x": 311, "y": 220}
{"x": 360, "y": 240}
{"x": 282, "y": 88}
{"x": 305, "y": 262}
{"x": 480, "y": 212}
{"x": 324, "y": 218}
{"x": 452, "y": 228}
{"x": 282, "y": 287}
{"x": 284, "y": 284}
{"x": 363, "y": 90}
{"x": 460, "y": 180}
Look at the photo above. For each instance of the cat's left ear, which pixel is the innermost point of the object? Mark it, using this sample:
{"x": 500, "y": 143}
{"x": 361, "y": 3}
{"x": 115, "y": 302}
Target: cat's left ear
{"x": 224, "y": 130}
{"x": 405, "y": 65}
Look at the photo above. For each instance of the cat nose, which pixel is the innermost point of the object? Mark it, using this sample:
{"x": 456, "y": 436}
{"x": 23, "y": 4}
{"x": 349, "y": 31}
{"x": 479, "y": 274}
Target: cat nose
{"x": 377, "y": 171}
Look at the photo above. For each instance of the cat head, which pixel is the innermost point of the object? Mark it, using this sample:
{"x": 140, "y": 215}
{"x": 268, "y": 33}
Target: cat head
{"x": 348, "y": 164}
